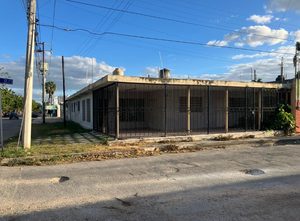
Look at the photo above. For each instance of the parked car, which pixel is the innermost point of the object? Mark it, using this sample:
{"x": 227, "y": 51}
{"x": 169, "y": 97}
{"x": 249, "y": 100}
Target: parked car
{"x": 13, "y": 115}
{"x": 34, "y": 114}
{"x": 6, "y": 114}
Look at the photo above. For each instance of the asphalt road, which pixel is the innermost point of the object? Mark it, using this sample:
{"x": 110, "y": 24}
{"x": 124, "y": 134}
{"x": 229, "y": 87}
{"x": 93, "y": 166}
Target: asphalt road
{"x": 205, "y": 185}
{"x": 11, "y": 127}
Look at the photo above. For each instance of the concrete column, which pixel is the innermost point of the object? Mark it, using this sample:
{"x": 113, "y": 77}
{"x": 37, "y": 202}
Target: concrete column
{"x": 117, "y": 111}
{"x": 259, "y": 109}
{"x": 226, "y": 110}
{"x": 188, "y": 110}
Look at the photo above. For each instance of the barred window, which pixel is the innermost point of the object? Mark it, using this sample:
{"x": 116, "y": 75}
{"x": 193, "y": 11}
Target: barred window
{"x": 88, "y": 110}
{"x": 237, "y": 102}
{"x": 196, "y": 104}
{"x": 83, "y": 110}
{"x": 132, "y": 110}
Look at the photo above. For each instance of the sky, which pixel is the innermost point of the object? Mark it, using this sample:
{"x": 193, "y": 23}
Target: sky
{"x": 206, "y": 40}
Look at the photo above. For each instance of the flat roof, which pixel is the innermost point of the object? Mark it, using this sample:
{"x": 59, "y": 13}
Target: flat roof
{"x": 110, "y": 79}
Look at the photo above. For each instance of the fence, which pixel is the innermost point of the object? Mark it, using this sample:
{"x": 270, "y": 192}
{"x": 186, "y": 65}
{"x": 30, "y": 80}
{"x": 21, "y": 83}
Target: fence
{"x": 168, "y": 110}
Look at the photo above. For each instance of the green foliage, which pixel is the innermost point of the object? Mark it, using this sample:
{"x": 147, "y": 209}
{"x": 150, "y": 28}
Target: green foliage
{"x": 282, "y": 119}
{"x": 258, "y": 80}
{"x": 105, "y": 140}
{"x": 50, "y": 89}
{"x": 36, "y": 106}
{"x": 15, "y": 102}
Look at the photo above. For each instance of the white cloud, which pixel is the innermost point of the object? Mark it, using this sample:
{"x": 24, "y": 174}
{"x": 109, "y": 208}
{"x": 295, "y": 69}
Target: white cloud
{"x": 278, "y": 54}
{"x": 239, "y": 44}
{"x": 75, "y": 73}
{"x": 296, "y": 35}
{"x": 258, "y": 33}
{"x": 150, "y": 71}
{"x": 266, "y": 69}
{"x": 4, "y": 56}
{"x": 253, "y": 36}
{"x": 260, "y": 19}
{"x": 281, "y": 5}
{"x": 217, "y": 43}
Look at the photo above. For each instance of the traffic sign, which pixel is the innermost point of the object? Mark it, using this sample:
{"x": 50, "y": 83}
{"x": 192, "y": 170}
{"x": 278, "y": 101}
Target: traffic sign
{"x": 6, "y": 81}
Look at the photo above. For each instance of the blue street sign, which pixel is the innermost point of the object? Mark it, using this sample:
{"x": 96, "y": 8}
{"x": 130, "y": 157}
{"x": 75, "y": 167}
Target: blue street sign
{"x": 6, "y": 81}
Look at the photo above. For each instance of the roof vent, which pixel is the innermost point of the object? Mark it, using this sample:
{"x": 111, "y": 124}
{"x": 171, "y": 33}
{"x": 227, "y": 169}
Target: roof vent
{"x": 118, "y": 71}
{"x": 164, "y": 73}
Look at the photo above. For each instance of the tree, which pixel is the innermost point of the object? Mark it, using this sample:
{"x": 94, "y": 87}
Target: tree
{"x": 50, "y": 89}
{"x": 36, "y": 106}
{"x": 258, "y": 80}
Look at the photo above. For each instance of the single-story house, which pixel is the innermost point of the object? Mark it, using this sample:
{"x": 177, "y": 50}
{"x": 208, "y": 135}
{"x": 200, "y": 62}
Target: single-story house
{"x": 124, "y": 106}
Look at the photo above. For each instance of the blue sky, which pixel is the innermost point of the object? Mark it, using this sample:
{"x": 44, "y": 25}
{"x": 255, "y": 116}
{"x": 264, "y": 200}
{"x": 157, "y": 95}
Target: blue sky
{"x": 259, "y": 27}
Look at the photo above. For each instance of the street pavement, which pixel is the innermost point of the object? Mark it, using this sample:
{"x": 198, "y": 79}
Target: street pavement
{"x": 204, "y": 185}
{"x": 10, "y": 127}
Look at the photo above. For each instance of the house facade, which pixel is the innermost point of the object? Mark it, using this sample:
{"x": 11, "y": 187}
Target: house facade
{"x": 125, "y": 107}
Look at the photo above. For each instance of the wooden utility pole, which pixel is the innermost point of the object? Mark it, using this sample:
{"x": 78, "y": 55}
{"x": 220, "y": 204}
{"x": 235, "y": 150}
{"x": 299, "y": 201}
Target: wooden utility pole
{"x": 44, "y": 80}
{"x": 281, "y": 69}
{"x": 64, "y": 90}
{"x": 29, "y": 76}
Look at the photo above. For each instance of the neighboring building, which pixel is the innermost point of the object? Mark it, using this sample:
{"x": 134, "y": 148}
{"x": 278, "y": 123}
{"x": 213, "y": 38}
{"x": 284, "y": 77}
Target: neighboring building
{"x": 124, "y": 106}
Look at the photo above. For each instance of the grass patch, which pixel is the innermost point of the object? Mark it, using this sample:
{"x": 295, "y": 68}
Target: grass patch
{"x": 55, "y": 146}
{"x": 52, "y": 129}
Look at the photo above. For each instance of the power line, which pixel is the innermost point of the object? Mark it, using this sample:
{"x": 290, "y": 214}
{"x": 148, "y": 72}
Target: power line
{"x": 276, "y": 32}
{"x": 110, "y": 26}
{"x": 160, "y": 39}
{"x": 95, "y": 30}
{"x": 173, "y": 20}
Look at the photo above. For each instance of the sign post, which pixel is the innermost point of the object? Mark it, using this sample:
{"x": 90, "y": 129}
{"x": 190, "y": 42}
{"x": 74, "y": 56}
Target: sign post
{"x": 3, "y": 81}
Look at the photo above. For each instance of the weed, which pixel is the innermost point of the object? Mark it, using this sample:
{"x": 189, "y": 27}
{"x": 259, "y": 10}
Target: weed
{"x": 223, "y": 138}
{"x": 105, "y": 140}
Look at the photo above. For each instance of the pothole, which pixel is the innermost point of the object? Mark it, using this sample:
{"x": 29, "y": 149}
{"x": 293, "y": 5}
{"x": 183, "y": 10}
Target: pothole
{"x": 59, "y": 179}
{"x": 254, "y": 172}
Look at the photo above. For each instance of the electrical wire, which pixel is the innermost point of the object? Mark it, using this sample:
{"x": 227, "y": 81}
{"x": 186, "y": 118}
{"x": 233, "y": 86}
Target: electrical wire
{"x": 275, "y": 33}
{"x": 103, "y": 21}
{"x": 54, "y": 9}
{"x": 93, "y": 30}
{"x": 110, "y": 26}
{"x": 173, "y": 20}
{"x": 161, "y": 39}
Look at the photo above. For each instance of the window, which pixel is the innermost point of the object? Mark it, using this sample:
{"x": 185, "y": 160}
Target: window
{"x": 132, "y": 110}
{"x": 237, "y": 102}
{"x": 78, "y": 105}
{"x": 83, "y": 110}
{"x": 196, "y": 104}
{"x": 88, "y": 110}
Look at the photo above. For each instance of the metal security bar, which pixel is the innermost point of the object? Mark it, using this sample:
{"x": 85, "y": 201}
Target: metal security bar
{"x": 148, "y": 110}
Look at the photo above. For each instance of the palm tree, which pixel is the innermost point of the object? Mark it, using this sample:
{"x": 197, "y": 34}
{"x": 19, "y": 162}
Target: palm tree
{"x": 50, "y": 89}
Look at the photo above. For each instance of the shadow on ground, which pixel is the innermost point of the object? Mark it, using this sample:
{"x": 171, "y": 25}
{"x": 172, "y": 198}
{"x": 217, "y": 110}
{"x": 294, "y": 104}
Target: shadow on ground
{"x": 259, "y": 199}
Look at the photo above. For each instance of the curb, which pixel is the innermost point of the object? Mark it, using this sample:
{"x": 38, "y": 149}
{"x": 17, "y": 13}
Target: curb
{"x": 6, "y": 161}
{"x": 201, "y": 145}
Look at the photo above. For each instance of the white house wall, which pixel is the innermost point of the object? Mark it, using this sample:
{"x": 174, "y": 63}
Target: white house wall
{"x": 77, "y": 116}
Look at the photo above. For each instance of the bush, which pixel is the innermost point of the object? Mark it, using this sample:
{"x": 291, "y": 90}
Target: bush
{"x": 282, "y": 119}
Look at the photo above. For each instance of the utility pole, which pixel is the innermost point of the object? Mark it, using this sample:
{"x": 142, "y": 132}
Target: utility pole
{"x": 44, "y": 67}
{"x": 44, "y": 81}
{"x": 86, "y": 75}
{"x": 92, "y": 70}
{"x": 254, "y": 75}
{"x": 281, "y": 69}
{"x": 64, "y": 90}
{"x": 29, "y": 76}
